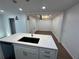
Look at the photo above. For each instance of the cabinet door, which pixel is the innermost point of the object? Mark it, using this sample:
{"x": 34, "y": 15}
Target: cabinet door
{"x": 48, "y": 54}
{"x": 42, "y": 56}
{"x": 22, "y": 53}
{"x": 1, "y": 54}
{"x": 8, "y": 50}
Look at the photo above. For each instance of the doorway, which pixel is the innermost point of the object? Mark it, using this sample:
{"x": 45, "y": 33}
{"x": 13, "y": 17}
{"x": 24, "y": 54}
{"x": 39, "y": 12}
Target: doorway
{"x": 12, "y": 25}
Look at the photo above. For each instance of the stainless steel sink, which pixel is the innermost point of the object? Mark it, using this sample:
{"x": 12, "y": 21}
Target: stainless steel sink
{"x": 29, "y": 39}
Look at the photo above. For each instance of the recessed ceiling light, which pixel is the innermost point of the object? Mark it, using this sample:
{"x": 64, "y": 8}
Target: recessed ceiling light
{"x": 14, "y": 1}
{"x": 45, "y": 16}
{"x": 27, "y": 0}
{"x": 43, "y": 7}
{"x": 1, "y": 10}
{"x": 20, "y": 9}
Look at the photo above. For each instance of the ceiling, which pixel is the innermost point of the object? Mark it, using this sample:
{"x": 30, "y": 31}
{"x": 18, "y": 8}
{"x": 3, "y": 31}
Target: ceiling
{"x": 34, "y": 6}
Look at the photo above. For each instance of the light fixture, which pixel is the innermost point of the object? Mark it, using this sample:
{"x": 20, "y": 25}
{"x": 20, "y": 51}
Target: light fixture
{"x": 14, "y": 1}
{"x": 43, "y": 7}
{"x": 1, "y": 10}
{"x": 28, "y": 18}
{"x": 45, "y": 16}
{"x": 20, "y": 9}
{"x": 16, "y": 18}
{"x": 27, "y": 0}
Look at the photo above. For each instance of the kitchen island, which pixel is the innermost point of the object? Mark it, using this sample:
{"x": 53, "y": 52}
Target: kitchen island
{"x": 45, "y": 48}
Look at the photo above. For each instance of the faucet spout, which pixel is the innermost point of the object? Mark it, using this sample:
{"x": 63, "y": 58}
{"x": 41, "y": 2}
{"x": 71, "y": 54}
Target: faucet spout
{"x": 31, "y": 34}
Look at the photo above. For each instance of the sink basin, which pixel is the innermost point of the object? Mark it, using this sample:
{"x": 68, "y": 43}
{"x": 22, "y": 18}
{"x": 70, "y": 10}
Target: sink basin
{"x": 29, "y": 39}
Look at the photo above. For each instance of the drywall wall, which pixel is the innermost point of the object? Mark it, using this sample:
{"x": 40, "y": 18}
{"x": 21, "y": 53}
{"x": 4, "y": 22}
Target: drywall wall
{"x": 70, "y": 34}
{"x": 6, "y": 24}
{"x": 2, "y": 29}
{"x": 20, "y": 24}
{"x": 27, "y": 25}
{"x": 56, "y": 26}
{"x": 44, "y": 25}
{"x": 32, "y": 25}
{"x": 47, "y": 25}
{"x": 41, "y": 25}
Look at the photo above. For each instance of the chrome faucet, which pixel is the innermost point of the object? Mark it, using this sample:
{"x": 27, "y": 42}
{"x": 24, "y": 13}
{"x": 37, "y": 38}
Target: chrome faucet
{"x": 31, "y": 34}
{"x": 32, "y": 31}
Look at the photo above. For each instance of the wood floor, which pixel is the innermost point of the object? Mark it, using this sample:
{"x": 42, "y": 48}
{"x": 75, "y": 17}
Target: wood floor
{"x": 62, "y": 53}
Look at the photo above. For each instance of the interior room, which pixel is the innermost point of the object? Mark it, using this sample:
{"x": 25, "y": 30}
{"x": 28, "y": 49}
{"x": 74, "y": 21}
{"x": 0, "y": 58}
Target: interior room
{"x": 39, "y": 29}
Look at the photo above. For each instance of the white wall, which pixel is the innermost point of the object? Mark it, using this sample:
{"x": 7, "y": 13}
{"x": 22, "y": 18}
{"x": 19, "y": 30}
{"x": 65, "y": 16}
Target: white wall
{"x": 32, "y": 25}
{"x": 20, "y": 24}
{"x": 2, "y": 31}
{"x": 27, "y": 26}
{"x": 41, "y": 25}
{"x": 6, "y": 24}
{"x": 56, "y": 26}
{"x": 44, "y": 25}
{"x": 70, "y": 35}
{"x": 47, "y": 25}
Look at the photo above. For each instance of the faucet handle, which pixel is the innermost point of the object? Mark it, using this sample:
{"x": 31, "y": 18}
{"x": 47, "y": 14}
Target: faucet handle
{"x": 32, "y": 34}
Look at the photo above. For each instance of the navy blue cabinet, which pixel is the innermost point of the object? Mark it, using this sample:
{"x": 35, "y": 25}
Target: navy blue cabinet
{"x": 8, "y": 50}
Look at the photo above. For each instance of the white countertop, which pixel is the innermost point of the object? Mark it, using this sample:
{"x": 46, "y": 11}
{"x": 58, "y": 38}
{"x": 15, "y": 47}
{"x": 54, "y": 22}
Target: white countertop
{"x": 45, "y": 41}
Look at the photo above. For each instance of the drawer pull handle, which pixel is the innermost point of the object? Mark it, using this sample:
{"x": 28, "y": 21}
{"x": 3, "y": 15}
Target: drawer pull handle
{"x": 46, "y": 56}
{"x": 47, "y": 52}
{"x": 25, "y": 53}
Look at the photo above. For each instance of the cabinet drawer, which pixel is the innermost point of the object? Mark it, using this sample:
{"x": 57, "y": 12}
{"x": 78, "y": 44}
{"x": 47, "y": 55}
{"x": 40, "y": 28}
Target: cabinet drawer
{"x": 22, "y": 53}
{"x": 42, "y": 56}
{"x": 48, "y": 54}
{"x": 28, "y": 49}
{"x": 45, "y": 57}
{"x": 47, "y": 51}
